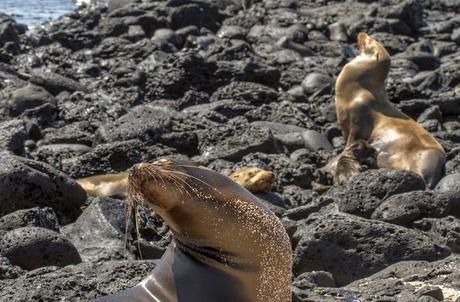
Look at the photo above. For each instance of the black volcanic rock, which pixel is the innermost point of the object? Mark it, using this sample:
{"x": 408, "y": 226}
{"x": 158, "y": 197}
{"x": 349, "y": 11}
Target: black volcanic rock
{"x": 55, "y": 83}
{"x": 405, "y": 208}
{"x": 34, "y": 247}
{"x": 29, "y": 97}
{"x": 112, "y": 157}
{"x": 366, "y": 191}
{"x": 80, "y": 282}
{"x": 26, "y": 183}
{"x": 450, "y": 183}
{"x": 99, "y": 233}
{"x": 445, "y": 230}
{"x": 143, "y": 122}
{"x": 234, "y": 142}
{"x": 400, "y": 281}
{"x": 34, "y": 217}
{"x": 10, "y": 33}
{"x": 13, "y": 134}
{"x": 352, "y": 248}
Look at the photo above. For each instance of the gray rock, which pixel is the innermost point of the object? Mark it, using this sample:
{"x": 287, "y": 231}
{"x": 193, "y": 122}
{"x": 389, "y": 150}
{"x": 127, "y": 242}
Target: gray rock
{"x": 10, "y": 33}
{"x": 366, "y": 191}
{"x": 352, "y": 248}
{"x": 427, "y": 298}
{"x": 313, "y": 286}
{"x": 165, "y": 35}
{"x": 141, "y": 122}
{"x": 410, "y": 12}
{"x": 34, "y": 217}
{"x": 112, "y": 158}
{"x": 430, "y": 291}
{"x": 9, "y": 271}
{"x": 200, "y": 14}
{"x": 445, "y": 230}
{"x": 318, "y": 278}
{"x": 99, "y": 234}
{"x": 231, "y": 32}
{"x": 449, "y": 183}
{"x": 253, "y": 93}
{"x": 288, "y": 135}
{"x": 284, "y": 112}
{"x": 315, "y": 141}
{"x": 55, "y": 83}
{"x": 54, "y": 154}
{"x": 26, "y": 183}
{"x": 232, "y": 142}
{"x": 13, "y": 134}
{"x": 116, "y": 4}
{"x": 80, "y": 282}
{"x": 34, "y": 247}
{"x": 28, "y": 97}
{"x": 338, "y": 32}
{"x": 400, "y": 281}
{"x": 315, "y": 82}
{"x": 456, "y": 36}
{"x": 405, "y": 208}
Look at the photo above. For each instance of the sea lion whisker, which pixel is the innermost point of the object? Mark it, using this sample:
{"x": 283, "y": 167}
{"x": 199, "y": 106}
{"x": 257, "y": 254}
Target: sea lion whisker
{"x": 159, "y": 176}
{"x": 179, "y": 186}
{"x": 183, "y": 182}
{"x": 201, "y": 181}
{"x": 128, "y": 210}
{"x": 136, "y": 225}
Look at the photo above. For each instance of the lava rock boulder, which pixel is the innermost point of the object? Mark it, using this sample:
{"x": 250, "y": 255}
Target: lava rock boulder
{"x": 33, "y": 247}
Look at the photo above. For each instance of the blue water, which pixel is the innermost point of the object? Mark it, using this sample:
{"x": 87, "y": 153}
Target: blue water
{"x": 34, "y": 12}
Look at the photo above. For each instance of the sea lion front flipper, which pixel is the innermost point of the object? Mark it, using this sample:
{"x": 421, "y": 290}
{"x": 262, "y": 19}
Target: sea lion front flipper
{"x": 347, "y": 166}
{"x": 350, "y": 162}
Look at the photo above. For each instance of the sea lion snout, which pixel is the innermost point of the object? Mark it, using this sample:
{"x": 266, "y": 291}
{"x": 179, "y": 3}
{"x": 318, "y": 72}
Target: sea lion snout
{"x": 162, "y": 161}
{"x": 138, "y": 167}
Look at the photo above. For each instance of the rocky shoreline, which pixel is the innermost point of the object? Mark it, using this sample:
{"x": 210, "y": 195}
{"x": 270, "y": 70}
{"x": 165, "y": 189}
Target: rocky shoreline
{"x": 229, "y": 84}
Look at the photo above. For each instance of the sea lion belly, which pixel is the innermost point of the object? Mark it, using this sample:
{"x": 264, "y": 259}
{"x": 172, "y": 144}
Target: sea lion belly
{"x": 389, "y": 145}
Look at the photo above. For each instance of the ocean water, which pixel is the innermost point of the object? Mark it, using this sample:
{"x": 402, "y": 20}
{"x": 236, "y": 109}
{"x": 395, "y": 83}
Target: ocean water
{"x": 34, "y": 12}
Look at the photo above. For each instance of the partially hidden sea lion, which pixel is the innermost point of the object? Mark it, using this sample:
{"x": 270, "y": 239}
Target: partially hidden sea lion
{"x": 253, "y": 179}
{"x": 370, "y": 121}
{"x": 227, "y": 246}
{"x": 105, "y": 185}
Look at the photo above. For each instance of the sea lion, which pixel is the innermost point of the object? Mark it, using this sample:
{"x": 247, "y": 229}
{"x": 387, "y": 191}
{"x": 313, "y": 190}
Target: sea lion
{"x": 369, "y": 120}
{"x": 254, "y": 179}
{"x": 105, "y": 185}
{"x": 227, "y": 246}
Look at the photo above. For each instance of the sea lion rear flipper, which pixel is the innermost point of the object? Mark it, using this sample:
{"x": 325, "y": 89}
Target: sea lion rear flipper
{"x": 431, "y": 166}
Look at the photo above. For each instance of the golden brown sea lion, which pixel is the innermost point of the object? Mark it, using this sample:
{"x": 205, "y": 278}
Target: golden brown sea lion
{"x": 227, "y": 246}
{"x": 253, "y": 179}
{"x": 368, "y": 118}
{"x": 105, "y": 185}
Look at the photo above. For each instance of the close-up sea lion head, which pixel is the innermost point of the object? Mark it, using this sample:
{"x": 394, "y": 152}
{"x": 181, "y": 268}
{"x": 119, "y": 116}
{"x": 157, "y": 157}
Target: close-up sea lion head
{"x": 370, "y": 66}
{"x": 217, "y": 222}
{"x": 207, "y": 208}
